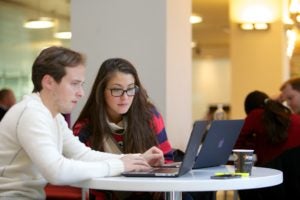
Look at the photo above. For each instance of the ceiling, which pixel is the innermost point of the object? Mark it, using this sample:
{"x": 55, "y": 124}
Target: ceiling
{"x": 54, "y": 8}
{"x": 211, "y": 36}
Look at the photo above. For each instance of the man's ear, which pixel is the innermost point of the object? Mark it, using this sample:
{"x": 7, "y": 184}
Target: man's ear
{"x": 48, "y": 82}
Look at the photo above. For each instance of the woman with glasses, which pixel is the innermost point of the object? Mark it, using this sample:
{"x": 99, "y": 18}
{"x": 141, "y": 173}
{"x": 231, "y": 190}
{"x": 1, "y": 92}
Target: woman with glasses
{"x": 119, "y": 118}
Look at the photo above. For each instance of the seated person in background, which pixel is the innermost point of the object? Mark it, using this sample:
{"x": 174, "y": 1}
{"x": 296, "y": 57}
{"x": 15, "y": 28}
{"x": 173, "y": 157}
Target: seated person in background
{"x": 290, "y": 92}
{"x": 270, "y": 128}
{"x": 36, "y": 144}
{"x": 118, "y": 116}
{"x": 7, "y": 100}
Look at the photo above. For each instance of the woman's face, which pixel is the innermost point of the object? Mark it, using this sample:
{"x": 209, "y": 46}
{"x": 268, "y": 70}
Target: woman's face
{"x": 117, "y": 100}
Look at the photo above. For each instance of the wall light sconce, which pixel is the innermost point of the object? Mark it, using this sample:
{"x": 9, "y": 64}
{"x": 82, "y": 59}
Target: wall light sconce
{"x": 254, "y": 26}
{"x": 39, "y": 23}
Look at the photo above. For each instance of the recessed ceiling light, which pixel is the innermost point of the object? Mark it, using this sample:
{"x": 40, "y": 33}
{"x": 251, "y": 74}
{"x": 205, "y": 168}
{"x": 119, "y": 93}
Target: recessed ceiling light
{"x": 63, "y": 35}
{"x": 193, "y": 44}
{"x": 40, "y": 23}
{"x": 194, "y": 19}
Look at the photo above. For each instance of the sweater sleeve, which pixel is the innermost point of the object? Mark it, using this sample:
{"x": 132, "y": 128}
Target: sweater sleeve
{"x": 57, "y": 154}
{"x": 249, "y": 131}
{"x": 162, "y": 138}
{"x": 81, "y": 130}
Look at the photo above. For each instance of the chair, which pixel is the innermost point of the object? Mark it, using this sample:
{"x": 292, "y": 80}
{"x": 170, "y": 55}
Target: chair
{"x": 289, "y": 163}
{"x": 54, "y": 192}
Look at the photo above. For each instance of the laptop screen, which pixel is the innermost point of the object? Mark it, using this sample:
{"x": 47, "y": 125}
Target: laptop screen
{"x": 218, "y": 143}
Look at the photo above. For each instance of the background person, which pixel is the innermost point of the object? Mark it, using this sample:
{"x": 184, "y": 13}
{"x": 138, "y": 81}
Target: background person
{"x": 270, "y": 128}
{"x": 36, "y": 144}
{"x": 7, "y": 100}
{"x": 290, "y": 92}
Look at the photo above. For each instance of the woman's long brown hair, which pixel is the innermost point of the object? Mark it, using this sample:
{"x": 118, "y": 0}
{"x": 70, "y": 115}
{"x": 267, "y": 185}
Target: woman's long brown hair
{"x": 276, "y": 117}
{"x": 140, "y": 134}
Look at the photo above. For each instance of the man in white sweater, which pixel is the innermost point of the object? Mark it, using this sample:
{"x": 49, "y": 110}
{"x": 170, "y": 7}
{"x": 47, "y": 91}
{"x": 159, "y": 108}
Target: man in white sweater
{"x": 36, "y": 145}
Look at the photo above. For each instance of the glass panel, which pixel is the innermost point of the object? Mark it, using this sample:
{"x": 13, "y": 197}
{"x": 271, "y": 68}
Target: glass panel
{"x": 20, "y": 46}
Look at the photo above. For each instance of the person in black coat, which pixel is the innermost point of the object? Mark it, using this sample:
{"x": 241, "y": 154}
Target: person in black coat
{"x": 7, "y": 99}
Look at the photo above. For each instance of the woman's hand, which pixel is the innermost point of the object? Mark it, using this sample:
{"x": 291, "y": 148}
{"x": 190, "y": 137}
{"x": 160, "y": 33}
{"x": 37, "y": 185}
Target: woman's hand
{"x": 154, "y": 156}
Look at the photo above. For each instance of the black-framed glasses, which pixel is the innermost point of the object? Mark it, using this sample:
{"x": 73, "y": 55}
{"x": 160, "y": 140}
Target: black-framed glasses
{"x": 118, "y": 92}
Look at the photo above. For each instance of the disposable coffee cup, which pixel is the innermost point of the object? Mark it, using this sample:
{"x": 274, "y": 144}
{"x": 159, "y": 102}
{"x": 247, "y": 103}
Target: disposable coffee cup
{"x": 243, "y": 160}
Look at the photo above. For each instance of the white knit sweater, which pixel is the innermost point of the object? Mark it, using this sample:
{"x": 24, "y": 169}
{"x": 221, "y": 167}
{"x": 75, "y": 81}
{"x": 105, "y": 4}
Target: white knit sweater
{"x": 36, "y": 148}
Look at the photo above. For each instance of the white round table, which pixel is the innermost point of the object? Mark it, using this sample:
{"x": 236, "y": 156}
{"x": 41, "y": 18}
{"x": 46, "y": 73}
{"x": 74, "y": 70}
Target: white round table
{"x": 195, "y": 180}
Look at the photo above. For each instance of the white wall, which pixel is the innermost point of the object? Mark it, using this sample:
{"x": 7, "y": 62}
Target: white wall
{"x": 106, "y": 29}
{"x": 211, "y": 84}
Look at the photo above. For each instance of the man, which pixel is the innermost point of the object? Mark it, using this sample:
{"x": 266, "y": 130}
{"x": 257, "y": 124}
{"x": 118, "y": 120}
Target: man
{"x": 7, "y": 99}
{"x": 36, "y": 144}
{"x": 290, "y": 92}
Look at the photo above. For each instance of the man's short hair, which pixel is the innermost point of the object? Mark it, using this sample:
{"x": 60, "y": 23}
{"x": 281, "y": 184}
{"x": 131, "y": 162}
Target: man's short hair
{"x": 53, "y": 61}
{"x": 294, "y": 82}
{"x": 4, "y": 92}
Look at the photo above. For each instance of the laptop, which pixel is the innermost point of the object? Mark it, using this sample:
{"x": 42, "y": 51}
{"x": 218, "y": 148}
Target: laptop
{"x": 218, "y": 143}
{"x": 188, "y": 159}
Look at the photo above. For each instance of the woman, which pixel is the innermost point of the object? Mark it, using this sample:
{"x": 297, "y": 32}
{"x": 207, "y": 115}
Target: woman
{"x": 118, "y": 116}
{"x": 270, "y": 128}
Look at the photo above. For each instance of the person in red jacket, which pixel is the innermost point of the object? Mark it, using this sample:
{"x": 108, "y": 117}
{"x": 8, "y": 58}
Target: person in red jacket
{"x": 270, "y": 128}
{"x": 118, "y": 117}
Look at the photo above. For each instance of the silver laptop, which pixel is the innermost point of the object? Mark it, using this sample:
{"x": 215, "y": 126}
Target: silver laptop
{"x": 188, "y": 160}
{"x": 218, "y": 143}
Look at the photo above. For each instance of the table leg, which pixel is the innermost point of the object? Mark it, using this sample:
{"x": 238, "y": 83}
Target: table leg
{"x": 235, "y": 195}
{"x": 173, "y": 195}
{"x": 225, "y": 194}
{"x": 84, "y": 193}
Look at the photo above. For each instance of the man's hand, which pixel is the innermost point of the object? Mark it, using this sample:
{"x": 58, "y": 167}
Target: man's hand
{"x": 154, "y": 156}
{"x": 134, "y": 162}
{"x": 143, "y": 162}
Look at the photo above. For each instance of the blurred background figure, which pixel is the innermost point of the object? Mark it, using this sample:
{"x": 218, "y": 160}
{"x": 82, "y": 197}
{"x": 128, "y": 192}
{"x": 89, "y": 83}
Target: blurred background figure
{"x": 290, "y": 93}
{"x": 270, "y": 128}
{"x": 215, "y": 110}
{"x": 7, "y": 99}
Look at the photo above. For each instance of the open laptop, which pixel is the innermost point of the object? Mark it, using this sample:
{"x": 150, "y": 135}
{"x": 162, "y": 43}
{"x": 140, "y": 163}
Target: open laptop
{"x": 188, "y": 160}
{"x": 218, "y": 143}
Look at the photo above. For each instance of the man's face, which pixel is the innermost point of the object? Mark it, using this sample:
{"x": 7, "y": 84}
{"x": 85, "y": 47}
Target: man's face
{"x": 292, "y": 98}
{"x": 67, "y": 93}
